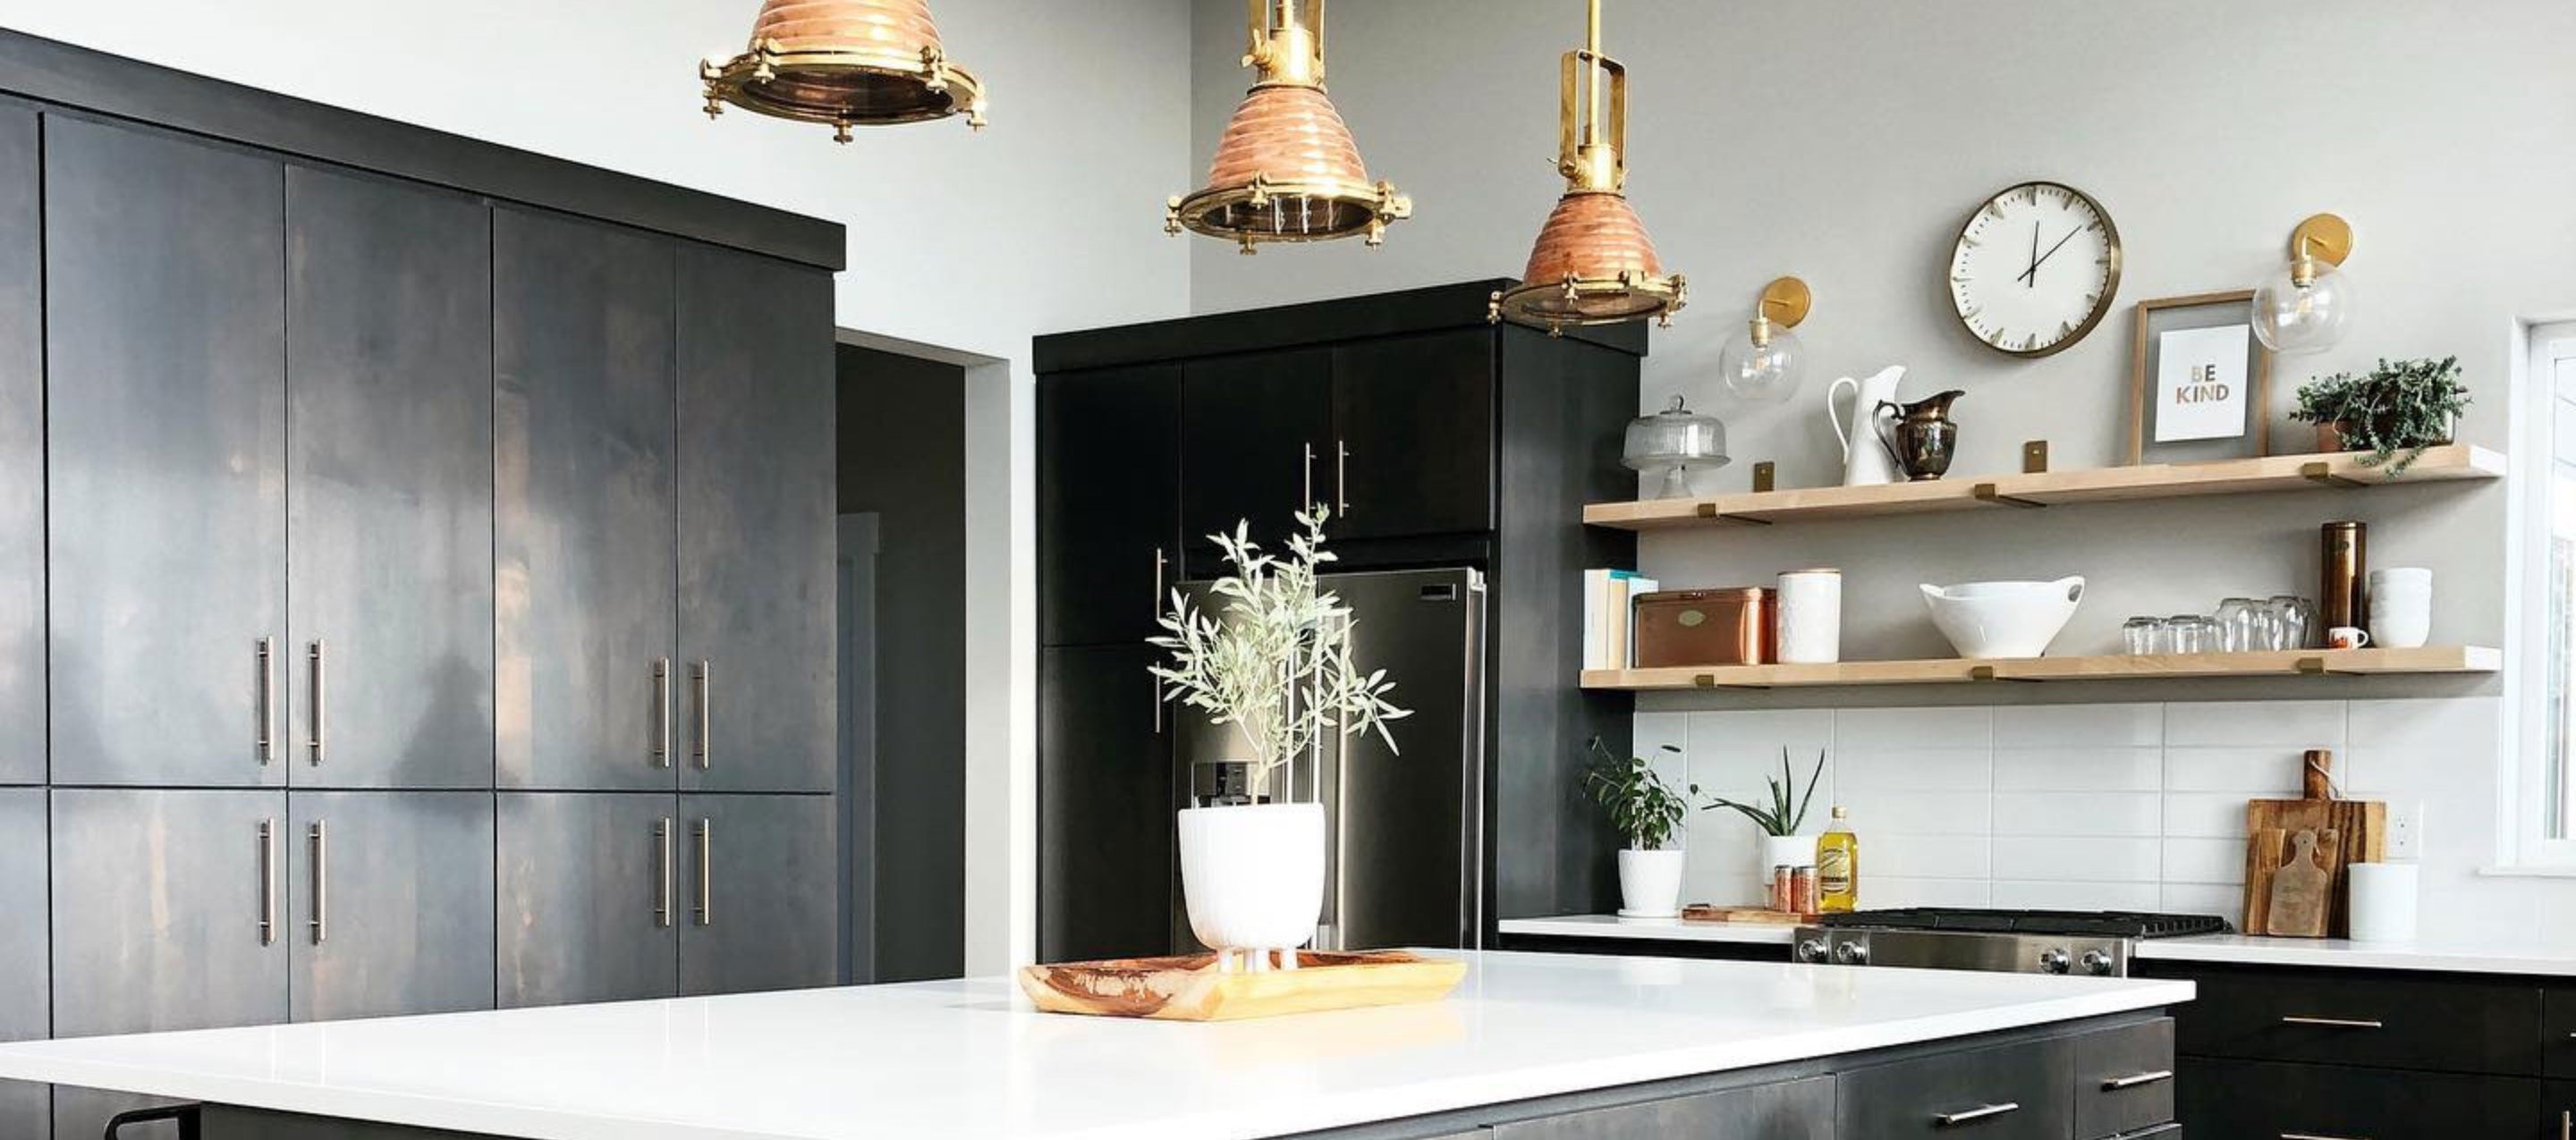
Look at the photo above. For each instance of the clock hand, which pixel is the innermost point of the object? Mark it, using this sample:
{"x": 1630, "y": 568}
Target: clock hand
{"x": 2032, "y": 274}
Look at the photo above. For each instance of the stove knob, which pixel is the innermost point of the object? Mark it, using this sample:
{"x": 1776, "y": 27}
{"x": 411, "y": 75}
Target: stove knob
{"x": 1812, "y": 950}
{"x": 2097, "y": 963}
{"x": 1852, "y": 953}
{"x": 2053, "y": 961}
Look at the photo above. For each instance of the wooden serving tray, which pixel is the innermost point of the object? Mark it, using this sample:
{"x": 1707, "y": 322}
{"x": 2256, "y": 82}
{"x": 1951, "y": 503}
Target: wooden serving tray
{"x": 1189, "y": 988}
{"x": 1745, "y": 915}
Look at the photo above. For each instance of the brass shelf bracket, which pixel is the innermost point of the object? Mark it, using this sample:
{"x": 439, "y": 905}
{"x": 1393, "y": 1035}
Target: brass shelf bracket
{"x": 1987, "y": 673}
{"x": 1989, "y": 493}
{"x": 1709, "y": 681}
{"x": 1710, "y": 512}
{"x": 2322, "y": 474}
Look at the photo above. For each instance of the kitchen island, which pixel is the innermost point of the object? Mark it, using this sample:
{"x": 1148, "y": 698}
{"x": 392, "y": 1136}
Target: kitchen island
{"x": 1536, "y": 1046}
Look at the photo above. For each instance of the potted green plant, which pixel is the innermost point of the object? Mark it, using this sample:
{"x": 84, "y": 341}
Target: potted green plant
{"x": 1777, "y": 823}
{"x": 1646, "y": 810}
{"x": 1274, "y": 663}
{"x": 2394, "y": 411}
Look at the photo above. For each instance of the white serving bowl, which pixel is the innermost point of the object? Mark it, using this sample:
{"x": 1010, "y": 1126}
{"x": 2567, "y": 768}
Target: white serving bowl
{"x": 2003, "y": 619}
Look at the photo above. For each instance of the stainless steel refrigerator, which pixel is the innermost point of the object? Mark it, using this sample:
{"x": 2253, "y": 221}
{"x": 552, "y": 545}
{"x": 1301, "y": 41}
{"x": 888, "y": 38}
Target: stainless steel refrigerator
{"x": 1403, "y": 832}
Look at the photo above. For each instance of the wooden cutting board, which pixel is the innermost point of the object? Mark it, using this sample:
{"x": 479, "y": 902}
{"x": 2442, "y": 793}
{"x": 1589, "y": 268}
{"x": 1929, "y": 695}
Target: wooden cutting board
{"x": 2301, "y": 869}
{"x": 2359, "y": 827}
{"x": 1191, "y": 987}
{"x": 1745, "y": 915}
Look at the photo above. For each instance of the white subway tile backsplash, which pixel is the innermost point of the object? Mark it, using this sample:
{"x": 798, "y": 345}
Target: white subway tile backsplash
{"x": 1919, "y": 813}
{"x": 1887, "y": 891}
{"x": 2079, "y": 769}
{"x": 2078, "y": 813}
{"x": 1914, "y": 728}
{"x": 1926, "y": 856}
{"x": 2225, "y": 724}
{"x": 1917, "y": 769}
{"x": 2072, "y": 895}
{"x": 2073, "y": 859}
{"x": 2227, "y": 902}
{"x": 2205, "y": 815}
{"x": 2246, "y": 771}
{"x": 1760, "y": 733}
{"x": 2079, "y": 726}
{"x": 2205, "y": 861}
{"x": 2425, "y": 726}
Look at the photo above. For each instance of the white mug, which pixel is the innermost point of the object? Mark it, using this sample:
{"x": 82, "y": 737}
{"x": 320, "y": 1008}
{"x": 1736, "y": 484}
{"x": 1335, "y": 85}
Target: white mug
{"x": 2347, "y": 637}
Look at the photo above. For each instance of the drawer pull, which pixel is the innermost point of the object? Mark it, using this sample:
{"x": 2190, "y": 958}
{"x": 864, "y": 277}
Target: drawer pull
{"x": 2134, "y": 1080}
{"x": 2333, "y": 1022}
{"x": 2318, "y": 1136}
{"x": 1973, "y": 1115}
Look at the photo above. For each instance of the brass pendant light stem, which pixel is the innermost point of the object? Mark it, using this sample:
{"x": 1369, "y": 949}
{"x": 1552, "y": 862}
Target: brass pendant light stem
{"x": 1592, "y": 124}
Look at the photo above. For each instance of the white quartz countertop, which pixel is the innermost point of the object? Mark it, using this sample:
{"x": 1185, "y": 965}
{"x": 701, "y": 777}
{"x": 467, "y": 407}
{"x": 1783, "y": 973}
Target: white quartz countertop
{"x": 971, "y": 1060}
{"x": 1649, "y": 929}
{"x": 2438, "y": 957}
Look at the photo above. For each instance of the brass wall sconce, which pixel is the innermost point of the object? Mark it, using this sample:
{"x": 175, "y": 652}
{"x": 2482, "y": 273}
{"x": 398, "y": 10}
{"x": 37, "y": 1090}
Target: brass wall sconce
{"x": 2305, "y": 306}
{"x": 1765, "y": 363}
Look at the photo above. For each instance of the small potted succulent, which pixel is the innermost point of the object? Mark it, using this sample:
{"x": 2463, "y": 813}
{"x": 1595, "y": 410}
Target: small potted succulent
{"x": 1776, "y": 823}
{"x": 1273, "y": 662}
{"x": 2394, "y": 411}
{"x": 1647, "y": 811}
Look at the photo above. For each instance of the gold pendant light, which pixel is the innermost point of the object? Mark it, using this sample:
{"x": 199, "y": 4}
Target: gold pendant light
{"x": 1287, "y": 168}
{"x": 847, "y": 63}
{"x": 1593, "y": 264}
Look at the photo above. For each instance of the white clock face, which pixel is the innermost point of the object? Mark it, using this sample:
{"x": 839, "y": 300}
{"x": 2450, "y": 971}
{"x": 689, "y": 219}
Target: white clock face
{"x": 2035, "y": 268}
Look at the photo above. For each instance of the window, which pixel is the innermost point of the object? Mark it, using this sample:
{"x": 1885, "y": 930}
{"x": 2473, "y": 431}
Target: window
{"x": 2544, "y": 576}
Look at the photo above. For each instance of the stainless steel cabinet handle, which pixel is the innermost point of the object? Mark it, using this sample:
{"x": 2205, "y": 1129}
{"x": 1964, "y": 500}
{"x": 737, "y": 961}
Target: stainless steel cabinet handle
{"x": 321, "y": 882}
{"x": 267, "y": 699}
{"x": 661, "y": 712}
{"x": 2134, "y": 1080}
{"x": 706, "y": 878}
{"x": 2333, "y": 1022}
{"x": 1972, "y": 1115}
{"x": 267, "y": 882}
{"x": 1306, "y": 497}
{"x": 1161, "y": 563}
{"x": 319, "y": 704}
{"x": 662, "y": 877}
{"x": 2567, "y": 1125}
{"x": 702, "y": 676}
{"x": 1341, "y": 479}
{"x": 2318, "y": 1136}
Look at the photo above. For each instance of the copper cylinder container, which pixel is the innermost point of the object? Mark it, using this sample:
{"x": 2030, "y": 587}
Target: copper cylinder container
{"x": 1737, "y": 625}
{"x": 2343, "y": 553}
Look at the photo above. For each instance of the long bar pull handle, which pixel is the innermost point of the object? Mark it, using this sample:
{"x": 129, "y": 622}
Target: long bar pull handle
{"x": 705, "y": 829}
{"x": 2567, "y": 1125}
{"x": 2333, "y": 1022}
{"x": 1161, "y": 564}
{"x": 320, "y": 704}
{"x": 321, "y": 838}
{"x": 701, "y": 677}
{"x": 267, "y": 699}
{"x": 661, "y": 712}
{"x": 2134, "y": 1080}
{"x": 267, "y": 882}
{"x": 1306, "y": 494}
{"x": 662, "y": 877}
{"x": 1342, "y": 478}
{"x": 1972, "y": 1115}
{"x": 2318, "y": 1136}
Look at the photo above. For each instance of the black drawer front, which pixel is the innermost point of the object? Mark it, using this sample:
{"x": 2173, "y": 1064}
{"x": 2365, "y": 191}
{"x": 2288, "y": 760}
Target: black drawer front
{"x": 2267, "y": 1099}
{"x": 2124, "y": 1079}
{"x": 2394, "y": 1021}
{"x": 1790, "y": 1110}
{"x": 2023, "y": 1091}
{"x": 2558, "y": 1033}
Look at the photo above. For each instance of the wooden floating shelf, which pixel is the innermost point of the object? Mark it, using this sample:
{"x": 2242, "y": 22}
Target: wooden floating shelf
{"x": 2158, "y": 666}
{"x": 2048, "y": 488}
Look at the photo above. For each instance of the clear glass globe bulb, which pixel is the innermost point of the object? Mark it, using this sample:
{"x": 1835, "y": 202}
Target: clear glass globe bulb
{"x": 2292, "y": 318}
{"x": 1762, "y": 373}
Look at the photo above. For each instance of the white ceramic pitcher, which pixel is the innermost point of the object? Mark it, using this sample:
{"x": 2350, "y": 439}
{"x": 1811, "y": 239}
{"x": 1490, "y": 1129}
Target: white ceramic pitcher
{"x": 1866, "y": 461}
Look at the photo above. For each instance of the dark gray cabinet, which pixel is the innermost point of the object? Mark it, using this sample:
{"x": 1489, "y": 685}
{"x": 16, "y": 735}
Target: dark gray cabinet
{"x": 1109, "y": 526}
{"x": 589, "y": 897}
{"x": 165, "y": 410}
{"x": 2021, "y": 1091}
{"x": 389, "y": 465}
{"x": 1412, "y": 452}
{"x": 760, "y": 912}
{"x": 756, "y": 524}
{"x": 584, "y": 441}
{"x": 22, "y": 452}
{"x": 389, "y": 903}
{"x": 1256, "y": 445}
{"x": 168, "y": 909}
{"x": 25, "y": 1003}
{"x": 1787, "y": 1110}
{"x": 1105, "y": 800}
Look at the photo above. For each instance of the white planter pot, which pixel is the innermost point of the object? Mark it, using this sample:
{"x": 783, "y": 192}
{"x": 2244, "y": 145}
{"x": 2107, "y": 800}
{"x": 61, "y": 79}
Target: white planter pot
{"x": 1811, "y": 617}
{"x": 1782, "y": 851}
{"x": 1253, "y": 876}
{"x": 1650, "y": 883}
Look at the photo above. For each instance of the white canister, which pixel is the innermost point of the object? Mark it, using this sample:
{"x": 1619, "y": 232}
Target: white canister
{"x": 2401, "y": 607}
{"x": 1811, "y": 616}
{"x": 2383, "y": 901}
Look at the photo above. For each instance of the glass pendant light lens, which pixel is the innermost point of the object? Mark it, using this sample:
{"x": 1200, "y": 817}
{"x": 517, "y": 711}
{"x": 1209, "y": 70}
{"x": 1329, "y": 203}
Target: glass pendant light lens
{"x": 2292, "y": 318}
{"x": 1762, "y": 373}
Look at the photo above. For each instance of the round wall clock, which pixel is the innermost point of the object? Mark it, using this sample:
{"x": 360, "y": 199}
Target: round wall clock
{"x": 2035, "y": 268}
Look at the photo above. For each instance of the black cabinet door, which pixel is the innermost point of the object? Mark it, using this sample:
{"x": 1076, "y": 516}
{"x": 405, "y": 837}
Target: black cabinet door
{"x": 2266, "y": 1099}
{"x": 757, "y": 595}
{"x": 588, "y": 885}
{"x": 22, "y": 455}
{"x": 758, "y": 909}
{"x": 584, "y": 426}
{"x": 2458, "y": 1023}
{"x": 1788, "y": 1110}
{"x": 1256, "y": 445}
{"x": 1105, "y": 822}
{"x": 1413, "y": 435}
{"x": 1108, "y": 502}
{"x": 165, "y": 332}
{"x": 389, "y": 456}
{"x": 2021, "y": 1091}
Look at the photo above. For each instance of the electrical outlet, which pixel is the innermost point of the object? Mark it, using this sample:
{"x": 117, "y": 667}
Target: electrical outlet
{"x": 2406, "y": 831}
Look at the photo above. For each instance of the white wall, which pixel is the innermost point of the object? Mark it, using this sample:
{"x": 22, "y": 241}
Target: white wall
{"x": 1844, "y": 142}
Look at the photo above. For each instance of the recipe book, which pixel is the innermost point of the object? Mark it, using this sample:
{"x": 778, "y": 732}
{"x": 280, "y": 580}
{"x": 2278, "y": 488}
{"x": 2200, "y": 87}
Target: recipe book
{"x": 1608, "y": 615}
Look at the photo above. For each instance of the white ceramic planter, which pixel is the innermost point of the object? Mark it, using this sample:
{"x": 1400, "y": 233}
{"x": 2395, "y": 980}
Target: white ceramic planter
{"x": 1252, "y": 876}
{"x": 1650, "y": 883}
{"x": 1811, "y": 617}
{"x": 1782, "y": 851}
{"x": 2003, "y": 619}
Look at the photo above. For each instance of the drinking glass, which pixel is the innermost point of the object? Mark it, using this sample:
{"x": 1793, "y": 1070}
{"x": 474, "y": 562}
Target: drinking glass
{"x": 2296, "y": 621}
{"x": 2188, "y": 633}
{"x": 2139, "y": 635}
{"x": 2244, "y": 625}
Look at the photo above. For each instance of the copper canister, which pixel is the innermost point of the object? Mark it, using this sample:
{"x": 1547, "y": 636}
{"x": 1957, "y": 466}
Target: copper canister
{"x": 1731, "y": 626}
{"x": 2344, "y": 554}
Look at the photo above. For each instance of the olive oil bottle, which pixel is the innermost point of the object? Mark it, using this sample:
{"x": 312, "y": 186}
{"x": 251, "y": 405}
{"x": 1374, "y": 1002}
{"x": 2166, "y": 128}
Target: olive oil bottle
{"x": 1838, "y": 866}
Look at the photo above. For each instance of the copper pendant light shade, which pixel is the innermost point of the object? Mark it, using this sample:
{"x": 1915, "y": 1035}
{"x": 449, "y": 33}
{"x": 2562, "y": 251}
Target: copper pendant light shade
{"x": 1287, "y": 168}
{"x": 1593, "y": 263}
{"x": 846, "y": 63}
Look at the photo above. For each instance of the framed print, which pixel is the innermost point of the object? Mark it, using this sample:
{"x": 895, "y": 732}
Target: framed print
{"x": 2200, "y": 385}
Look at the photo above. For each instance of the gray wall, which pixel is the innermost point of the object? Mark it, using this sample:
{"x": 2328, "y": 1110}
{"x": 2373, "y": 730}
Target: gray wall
{"x": 1844, "y": 142}
{"x": 903, "y": 455}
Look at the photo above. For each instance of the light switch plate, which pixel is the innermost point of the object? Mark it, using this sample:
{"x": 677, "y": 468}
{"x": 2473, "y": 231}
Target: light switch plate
{"x": 2406, "y": 830}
